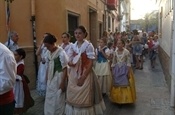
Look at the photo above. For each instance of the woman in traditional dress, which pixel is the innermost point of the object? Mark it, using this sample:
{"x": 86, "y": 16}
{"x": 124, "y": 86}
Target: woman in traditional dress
{"x": 102, "y": 68}
{"x": 22, "y": 93}
{"x": 66, "y": 41}
{"x": 83, "y": 92}
{"x": 123, "y": 89}
{"x": 42, "y": 72}
{"x": 56, "y": 81}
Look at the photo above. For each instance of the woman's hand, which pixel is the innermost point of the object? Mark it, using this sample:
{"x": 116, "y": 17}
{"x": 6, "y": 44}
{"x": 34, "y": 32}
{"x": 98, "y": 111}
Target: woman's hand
{"x": 74, "y": 54}
{"x": 71, "y": 64}
{"x": 81, "y": 81}
{"x": 62, "y": 86}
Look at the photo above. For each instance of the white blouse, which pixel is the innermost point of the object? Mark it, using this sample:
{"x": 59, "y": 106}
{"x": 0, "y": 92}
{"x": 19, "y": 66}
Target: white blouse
{"x": 86, "y": 46}
{"x": 66, "y": 48}
{"x": 7, "y": 69}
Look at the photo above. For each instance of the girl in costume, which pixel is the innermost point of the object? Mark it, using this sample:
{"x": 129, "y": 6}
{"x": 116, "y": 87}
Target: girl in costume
{"x": 22, "y": 93}
{"x": 102, "y": 68}
{"x": 42, "y": 72}
{"x": 123, "y": 89}
{"x": 66, "y": 41}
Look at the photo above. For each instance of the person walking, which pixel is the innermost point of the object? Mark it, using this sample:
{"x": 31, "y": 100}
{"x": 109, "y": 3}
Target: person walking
{"x": 57, "y": 77}
{"x": 123, "y": 89}
{"x": 21, "y": 90}
{"x": 7, "y": 80}
{"x": 102, "y": 68}
{"x": 137, "y": 49}
{"x": 154, "y": 51}
{"x": 43, "y": 66}
{"x": 83, "y": 92}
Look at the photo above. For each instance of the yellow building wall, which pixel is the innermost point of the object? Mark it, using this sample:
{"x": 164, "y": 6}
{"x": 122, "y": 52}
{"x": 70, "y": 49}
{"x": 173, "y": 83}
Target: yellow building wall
{"x": 51, "y": 16}
{"x": 2, "y": 22}
{"x": 19, "y": 21}
{"x": 79, "y": 7}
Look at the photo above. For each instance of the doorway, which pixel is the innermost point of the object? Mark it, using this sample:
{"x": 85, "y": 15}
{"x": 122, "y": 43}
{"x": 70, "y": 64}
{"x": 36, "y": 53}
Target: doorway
{"x": 72, "y": 25}
{"x": 93, "y": 27}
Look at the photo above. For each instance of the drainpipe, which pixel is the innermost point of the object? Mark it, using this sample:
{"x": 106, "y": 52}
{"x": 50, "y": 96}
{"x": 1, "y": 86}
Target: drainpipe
{"x": 34, "y": 35}
{"x": 173, "y": 64}
{"x": 105, "y": 16}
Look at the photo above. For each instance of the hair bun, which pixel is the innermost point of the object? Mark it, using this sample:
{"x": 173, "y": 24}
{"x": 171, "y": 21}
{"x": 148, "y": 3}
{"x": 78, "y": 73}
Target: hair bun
{"x": 50, "y": 39}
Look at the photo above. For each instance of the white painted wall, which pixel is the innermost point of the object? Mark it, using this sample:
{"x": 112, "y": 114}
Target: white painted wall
{"x": 167, "y": 41}
{"x": 172, "y": 101}
{"x": 124, "y": 9}
{"x": 167, "y": 19}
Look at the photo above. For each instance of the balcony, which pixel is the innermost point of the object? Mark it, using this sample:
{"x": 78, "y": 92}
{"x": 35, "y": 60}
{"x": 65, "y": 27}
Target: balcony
{"x": 112, "y": 4}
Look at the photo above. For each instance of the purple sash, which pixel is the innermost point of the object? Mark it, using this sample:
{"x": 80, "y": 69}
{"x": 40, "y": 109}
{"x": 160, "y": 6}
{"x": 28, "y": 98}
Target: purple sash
{"x": 120, "y": 73}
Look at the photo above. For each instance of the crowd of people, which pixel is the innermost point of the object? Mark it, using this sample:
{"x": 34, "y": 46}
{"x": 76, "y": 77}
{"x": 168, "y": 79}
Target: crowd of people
{"x": 140, "y": 45}
{"x": 75, "y": 77}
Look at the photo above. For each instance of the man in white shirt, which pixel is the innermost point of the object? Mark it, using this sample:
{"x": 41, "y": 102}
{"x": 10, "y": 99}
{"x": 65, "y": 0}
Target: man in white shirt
{"x": 12, "y": 44}
{"x": 7, "y": 80}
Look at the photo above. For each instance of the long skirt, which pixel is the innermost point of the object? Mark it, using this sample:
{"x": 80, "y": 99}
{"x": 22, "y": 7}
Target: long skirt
{"x": 85, "y": 99}
{"x": 19, "y": 92}
{"x": 41, "y": 79}
{"x": 55, "y": 98}
{"x": 124, "y": 94}
{"x": 103, "y": 72}
{"x": 28, "y": 100}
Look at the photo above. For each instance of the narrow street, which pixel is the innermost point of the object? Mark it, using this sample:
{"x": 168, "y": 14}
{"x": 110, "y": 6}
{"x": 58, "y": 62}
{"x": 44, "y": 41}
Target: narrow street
{"x": 28, "y": 25}
{"x": 152, "y": 96}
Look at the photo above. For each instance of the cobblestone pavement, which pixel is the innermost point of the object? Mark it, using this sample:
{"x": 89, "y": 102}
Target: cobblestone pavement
{"x": 152, "y": 96}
